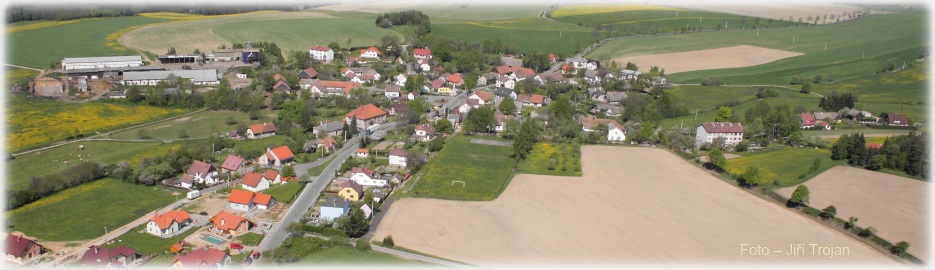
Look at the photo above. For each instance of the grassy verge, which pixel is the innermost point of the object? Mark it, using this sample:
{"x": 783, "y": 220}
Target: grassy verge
{"x": 351, "y": 255}
{"x": 484, "y": 170}
{"x": 82, "y": 212}
{"x": 250, "y": 239}
{"x": 785, "y": 167}
{"x": 314, "y": 171}
{"x": 146, "y": 243}
{"x": 284, "y": 193}
{"x": 552, "y": 159}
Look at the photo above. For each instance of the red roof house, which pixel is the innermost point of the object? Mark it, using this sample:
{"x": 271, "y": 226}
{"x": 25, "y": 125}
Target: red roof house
{"x": 278, "y": 156}
{"x": 261, "y": 130}
{"x": 808, "y": 120}
{"x": 102, "y": 257}
{"x": 21, "y": 248}
{"x": 422, "y": 52}
{"x": 232, "y": 163}
{"x": 232, "y": 224}
{"x": 202, "y": 257}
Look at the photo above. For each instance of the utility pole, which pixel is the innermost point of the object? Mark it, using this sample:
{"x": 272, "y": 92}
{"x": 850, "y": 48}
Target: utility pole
{"x": 757, "y": 31}
{"x": 696, "y": 114}
{"x": 105, "y": 234}
{"x": 826, "y": 46}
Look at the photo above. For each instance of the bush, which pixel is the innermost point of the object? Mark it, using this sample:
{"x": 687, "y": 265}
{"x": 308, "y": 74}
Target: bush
{"x": 712, "y": 81}
{"x": 363, "y": 245}
{"x": 869, "y": 231}
{"x": 851, "y": 222}
{"x": 829, "y": 212}
{"x": 388, "y": 241}
{"x": 900, "y": 248}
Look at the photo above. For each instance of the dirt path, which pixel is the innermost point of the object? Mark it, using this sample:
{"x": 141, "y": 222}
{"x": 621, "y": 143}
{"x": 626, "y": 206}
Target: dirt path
{"x": 632, "y": 206}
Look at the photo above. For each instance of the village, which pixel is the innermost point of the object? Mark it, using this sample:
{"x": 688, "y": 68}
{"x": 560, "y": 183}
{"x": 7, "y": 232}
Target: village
{"x": 355, "y": 127}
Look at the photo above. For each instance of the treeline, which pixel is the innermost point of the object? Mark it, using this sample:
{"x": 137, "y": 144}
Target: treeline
{"x": 410, "y": 17}
{"x": 151, "y": 171}
{"x": 463, "y": 56}
{"x": 21, "y": 12}
{"x": 40, "y": 187}
{"x": 905, "y": 153}
{"x": 836, "y": 101}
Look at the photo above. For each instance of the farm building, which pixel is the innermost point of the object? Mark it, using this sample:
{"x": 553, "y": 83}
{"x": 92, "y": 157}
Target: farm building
{"x": 198, "y": 77}
{"x": 177, "y": 59}
{"x": 167, "y": 223}
{"x": 48, "y": 87}
{"x": 321, "y": 53}
{"x": 102, "y": 257}
{"x": 19, "y": 248}
{"x": 102, "y": 62}
{"x": 707, "y": 132}
{"x": 366, "y": 115}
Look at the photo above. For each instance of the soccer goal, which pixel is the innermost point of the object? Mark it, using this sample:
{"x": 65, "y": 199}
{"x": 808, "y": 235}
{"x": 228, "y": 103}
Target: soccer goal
{"x": 456, "y": 181}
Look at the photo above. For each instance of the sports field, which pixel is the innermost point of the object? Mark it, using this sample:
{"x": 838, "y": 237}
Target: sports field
{"x": 464, "y": 171}
{"x": 896, "y": 206}
{"x": 653, "y": 208}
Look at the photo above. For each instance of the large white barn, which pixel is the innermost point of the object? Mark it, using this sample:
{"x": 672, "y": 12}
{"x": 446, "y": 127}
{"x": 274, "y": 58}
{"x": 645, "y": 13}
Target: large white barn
{"x": 198, "y": 77}
{"x": 102, "y": 62}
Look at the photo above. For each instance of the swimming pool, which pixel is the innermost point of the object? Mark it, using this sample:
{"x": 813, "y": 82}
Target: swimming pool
{"x": 212, "y": 239}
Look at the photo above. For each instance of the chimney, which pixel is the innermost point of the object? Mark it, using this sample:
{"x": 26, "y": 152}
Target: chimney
{"x": 222, "y": 222}
{"x": 96, "y": 249}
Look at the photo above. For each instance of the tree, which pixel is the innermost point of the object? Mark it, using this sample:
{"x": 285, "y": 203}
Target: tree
{"x": 716, "y": 158}
{"x": 443, "y": 126}
{"x": 800, "y": 196}
{"x": 436, "y": 144}
{"x": 507, "y": 106}
{"x": 900, "y": 248}
{"x": 470, "y": 82}
{"x": 525, "y": 139}
{"x": 354, "y": 224}
{"x": 388, "y": 241}
{"x": 480, "y": 120}
{"x": 230, "y": 121}
{"x": 723, "y": 114}
{"x": 142, "y": 134}
{"x": 851, "y": 222}
{"x": 828, "y": 212}
{"x": 288, "y": 171}
{"x": 562, "y": 109}
{"x": 242, "y": 129}
{"x": 753, "y": 177}
{"x": 631, "y": 66}
{"x": 182, "y": 134}
{"x": 171, "y": 51}
{"x": 818, "y": 78}
{"x": 806, "y": 88}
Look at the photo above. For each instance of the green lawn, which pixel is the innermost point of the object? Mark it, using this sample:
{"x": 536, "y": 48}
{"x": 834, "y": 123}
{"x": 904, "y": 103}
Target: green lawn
{"x": 82, "y": 212}
{"x": 250, "y": 239}
{"x": 317, "y": 170}
{"x": 897, "y": 38}
{"x": 86, "y": 38}
{"x": 839, "y": 132}
{"x": 484, "y": 169}
{"x": 146, "y": 243}
{"x": 784, "y": 166}
{"x": 284, "y": 193}
{"x": 21, "y": 170}
{"x": 197, "y": 125}
{"x": 567, "y": 160}
{"x": 353, "y": 256}
{"x": 708, "y": 98}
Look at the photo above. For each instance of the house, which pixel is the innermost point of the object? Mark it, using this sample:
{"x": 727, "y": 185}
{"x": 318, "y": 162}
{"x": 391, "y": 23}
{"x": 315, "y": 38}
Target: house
{"x": 371, "y": 52}
{"x": 308, "y": 73}
{"x": 608, "y": 109}
{"x": 455, "y": 79}
{"x": 824, "y": 125}
{"x": 808, "y": 120}
{"x": 168, "y": 223}
{"x": 616, "y": 97}
{"x": 597, "y": 94}
{"x": 437, "y": 83}
{"x": 277, "y": 156}
{"x": 504, "y": 92}
{"x": 853, "y": 114}
{"x": 569, "y": 70}
{"x": 424, "y": 132}
{"x": 253, "y": 182}
{"x": 48, "y": 87}
{"x": 578, "y": 62}
{"x": 333, "y": 208}
{"x": 482, "y": 97}
{"x": 203, "y": 172}
{"x": 552, "y": 58}
{"x": 327, "y": 144}
{"x": 501, "y": 120}
{"x": 321, "y": 53}
{"x": 261, "y": 130}
{"x": 366, "y": 210}
{"x": 445, "y": 90}
{"x": 708, "y": 131}
{"x": 829, "y": 116}
{"x": 412, "y": 95}
{"x": 366, "y": 177}
{"x": 422, "y": 53}
{"x": 361, "y": 75}
{"x": 263, "y": 201}
{"x": 865, "y": 117}
{"x": 533, "y": 100}
{"x": 615, "y": 131}
{"x": 898, "y": 120}
{"x": 423, "y": 65}
{"x": 328, "y": 128}
{"x": 230, "y": 224}
{"x": 102, "y": 257}
{"x": 395, "y": 178}
{"x": 362, "y": 153}
{"x": 399, "y": 108}
{"x": 332, "y": 88}
{"x": 398, "y": 157}
{"x": 455, "y": 118}
{"x": 19, "y": 248}
{"x": 273, "y": 177}
{"x": 550, "y": 77}
{"x": 509, "y": 60}
{"x": 351, "y": 190}
{"x": 233, "y": 163}
{"x": 306, "y": 84}
{"x": 202, "y": 257}
{"x": 281, "y": 86}
{"x": 366, "y": 115}
{"x": 391, "y": 91}
{"x": 401, "y": 79}
{"x": 629, "y": 75}
{"x": 591, "y": 77}
{"x": 242, "y": 200}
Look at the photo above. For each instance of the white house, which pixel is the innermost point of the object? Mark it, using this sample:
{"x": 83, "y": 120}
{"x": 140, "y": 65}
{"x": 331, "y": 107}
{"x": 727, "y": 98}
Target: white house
{"x": 482, "y": 97}
{"x": 203, "y": 172}
{"x": 273, "y": 177}
{"x": 371, "y": 52}
{"x": 616, "y": 132}
{"x": 362, "y": 153}
{"x": 254, "y": 182}
{"x": 424, "y": 65}
{"x": 241, "y": 200}
{"x": 365, "y": 177}
{"x": 398, "y": 157}
{"x": 168, "y": 223}
{"x": 424, "y": 132}
{"x": 391, "y": 91}
{"x": 422, "y": 53}
{"x": 401, "y": 79}
{"x": 333, "y": 208}
{"x": 278, "y": 156}
{"x": 261, "y": 131}
{"x": 321, "y": 53}
{"x": 708, "y": 131}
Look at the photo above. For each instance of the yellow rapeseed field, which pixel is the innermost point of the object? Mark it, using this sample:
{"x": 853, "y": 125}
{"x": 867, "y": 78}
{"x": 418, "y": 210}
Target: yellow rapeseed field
{"x": 602, "y": 8}
{"x": 32, "y": 124}
{"x": 33, "y": 26}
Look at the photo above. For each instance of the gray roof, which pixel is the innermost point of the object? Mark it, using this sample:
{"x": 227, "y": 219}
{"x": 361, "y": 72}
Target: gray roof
{"x": 511, "y": 61}
{"x": 334, "y": 202}
{"x": 578, "y": 59}
{"x": 595, "y": 91}
{"x": 616, "y": 96}
{"x": 102, "y": 59}
{"x": 204, "y": 75}
{"x": 329, "y": 127}
{"x": 503, "y": 92}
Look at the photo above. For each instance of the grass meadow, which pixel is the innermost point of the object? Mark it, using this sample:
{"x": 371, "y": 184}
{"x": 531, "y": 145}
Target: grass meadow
{"x": 694, "y": 98}
{"x": 197, "y": 125}
{"x": 527, "y": 34}
{"x": 349, "y": 255}
{"x": 484, "y": 169}
{"x": 82, "y": 212}
{"x": 567, "y": 160}
{"x": 22, "y": 169}
{"x": 284, "y": 193}
{"x": 85, "y": 38}
{"x": 850, "y": 50}
{"x": 13, "y": 75}
{"x": 146, "y": 243}
{"x": 785, "y": 167}
{"x": 645, "y": 21}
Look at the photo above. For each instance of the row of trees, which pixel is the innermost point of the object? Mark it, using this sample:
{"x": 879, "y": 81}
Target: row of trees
{"x": 23, "y": 12}
{"x": 906, "y": 153}
{"x": 39, "y": 187}
{"x": 835, "y": 101}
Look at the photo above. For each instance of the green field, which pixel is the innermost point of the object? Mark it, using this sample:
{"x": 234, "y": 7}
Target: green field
{"x": 527, "y": 34}
{"x": 86, "y": 38}
{"x": 887, "y": 92}
{"x": 145, "y": 243}
{"x": 197, "y": 125}
{"x": 82, "y": 212}
{"x": 22, "y": 169}
{"x": 485, "y": 170}
{"x": 284, "y": 193}
{"x": 784, "y": 166}
{"x": 566, "y": 159}
{"x": 481, "y": 12}
{"x": 703, "y": 101}
{"x": 897, "y": 37}
{"x": 644, "y": 21}
{"x": 707, "y": 98}
{"x": 13, "y": 75}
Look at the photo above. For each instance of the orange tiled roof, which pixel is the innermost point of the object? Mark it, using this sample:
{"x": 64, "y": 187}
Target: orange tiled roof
{"x": 283, "y": 152}
{"x": 250, "y": 179}
{"x": 165, "y": 220}
{"x": 230, "y": 221}
{"x": 240, "y": 196}
{"x": 263, "y": 199}
{"x": 365, "y": 112}
{"x": 270, "y": 174}
{"x": 263, "y": 128}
